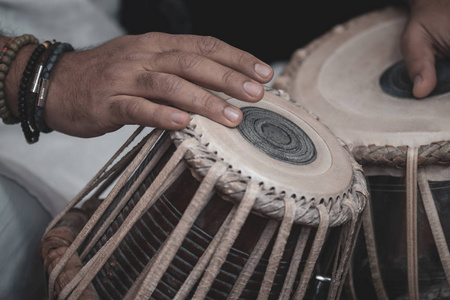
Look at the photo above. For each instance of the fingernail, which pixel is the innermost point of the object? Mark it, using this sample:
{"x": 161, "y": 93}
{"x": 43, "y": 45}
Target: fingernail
{"x": 418, "y": 79}
{"x": 263, "y": 70}
{"x": 252, "y": 89}
{"x": 179, "y": 118}
{"x": 232, "y": 113}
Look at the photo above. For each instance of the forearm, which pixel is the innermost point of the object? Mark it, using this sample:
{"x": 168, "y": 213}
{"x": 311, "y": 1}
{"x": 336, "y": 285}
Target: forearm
{"x": 14, "y": 75}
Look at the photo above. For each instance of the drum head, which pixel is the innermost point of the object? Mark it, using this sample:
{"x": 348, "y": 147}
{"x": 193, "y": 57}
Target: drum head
{"x": 281, "y": 146}
{"x": 353, "y": 78}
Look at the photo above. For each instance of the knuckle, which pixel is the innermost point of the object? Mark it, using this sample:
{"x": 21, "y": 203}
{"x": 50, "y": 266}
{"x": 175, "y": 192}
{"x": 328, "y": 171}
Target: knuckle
{"x": 208, "y": 45}
{"x": 169, "y": 84}
{"x": 133, "y": 56}
{"x": 131, "y": 110}
{"x": 205, "y": 101}
{"x": 146, "y": 80}
{"x": 160, "y": 84}
{"x": 150, "y": 37}
{"x": 128, "y": 111}
{"x": 244, "y": 58}
{"x": 227, "y": 77}
{"x": 187, "y": 61}
{"x": 157, "y": 116}
{"x": 120, "y": 110}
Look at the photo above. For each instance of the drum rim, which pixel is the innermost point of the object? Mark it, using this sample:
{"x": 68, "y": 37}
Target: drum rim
{"x": 286, "y": 79}
{"x": 270, "y": 203}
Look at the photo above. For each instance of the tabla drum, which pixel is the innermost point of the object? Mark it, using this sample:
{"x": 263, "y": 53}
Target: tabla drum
{"x": 267, "y": 210}
{"x": 354, "y": 79}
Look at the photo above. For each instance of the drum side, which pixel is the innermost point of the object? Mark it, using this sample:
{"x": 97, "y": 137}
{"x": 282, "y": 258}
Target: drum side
{"x": 150, "y": 232}
{"x": 388, "y": 205}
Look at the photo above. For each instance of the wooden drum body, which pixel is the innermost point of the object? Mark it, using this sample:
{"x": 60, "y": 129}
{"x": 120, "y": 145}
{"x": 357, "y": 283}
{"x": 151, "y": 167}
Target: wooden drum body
{"x": 353, "y": 78}
{"x": 268, "y": 210}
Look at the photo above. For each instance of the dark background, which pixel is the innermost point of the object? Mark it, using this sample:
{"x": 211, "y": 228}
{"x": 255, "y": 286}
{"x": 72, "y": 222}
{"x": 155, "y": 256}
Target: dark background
{"x": 270, "y": 30}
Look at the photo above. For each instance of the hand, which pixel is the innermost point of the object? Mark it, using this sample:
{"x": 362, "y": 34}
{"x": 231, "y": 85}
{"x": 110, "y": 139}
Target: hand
{"x": 426, "y": 34}
{"x": 152, "y": 80}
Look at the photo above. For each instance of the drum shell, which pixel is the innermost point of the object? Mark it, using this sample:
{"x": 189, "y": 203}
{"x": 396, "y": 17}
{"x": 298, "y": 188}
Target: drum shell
{"x": 149, "y": 233}
{"x": 388, "y": 208}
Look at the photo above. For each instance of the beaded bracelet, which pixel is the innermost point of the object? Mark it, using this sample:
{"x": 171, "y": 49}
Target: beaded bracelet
{"x": 26, "y": 96}
{"x": 4, "y": 111}
{"x": 40, "y": 105}
{"x": 7, "y": 55}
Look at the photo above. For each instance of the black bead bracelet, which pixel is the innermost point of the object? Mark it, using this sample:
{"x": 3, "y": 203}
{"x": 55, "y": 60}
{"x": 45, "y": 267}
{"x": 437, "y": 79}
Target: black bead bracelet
{"x": 32, "y": 136}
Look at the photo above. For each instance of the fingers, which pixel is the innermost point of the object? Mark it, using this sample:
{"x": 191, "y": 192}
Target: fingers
{"x": 134, "y": 110}
{"x": 230, "y": 56}
{"x": 419, "y": 58}
{"x": 168, "y": 89}
{"x": 215, "y": 50}
{"x": 173, "y": 74}
{"x": 207, "y": 73}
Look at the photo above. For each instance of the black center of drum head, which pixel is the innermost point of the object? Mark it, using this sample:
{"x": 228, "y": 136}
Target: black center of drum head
{"x": 276, "y": 136}
{"x": 395, "y": 80}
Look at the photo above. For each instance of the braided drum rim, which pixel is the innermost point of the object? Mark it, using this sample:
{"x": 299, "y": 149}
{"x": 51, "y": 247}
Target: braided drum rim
{"x": 437, "y": 153}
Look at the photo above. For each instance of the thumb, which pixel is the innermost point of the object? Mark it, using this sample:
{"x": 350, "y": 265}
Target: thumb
{"x": 419, "y": 59}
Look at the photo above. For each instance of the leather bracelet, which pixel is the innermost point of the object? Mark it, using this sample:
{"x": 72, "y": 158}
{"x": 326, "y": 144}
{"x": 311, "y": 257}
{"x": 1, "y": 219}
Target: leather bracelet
{"x": 48, "y": 68}
{"x": 32, "y": 95}
{"x": 7, "y": 56}
{"x": 25, "y": 91}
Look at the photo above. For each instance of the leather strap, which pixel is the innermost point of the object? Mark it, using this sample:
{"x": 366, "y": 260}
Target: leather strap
{"x": 255, "y": 257}
{"x": 369, "y": 235}
{"x": 435, "y": 223}
{"x": 227, "y": 241}
{"x": 199, "y": 201}
{"x": 411, "y": 222}
{"x": 314, "y": 252}
{"x": 89, "y": 271}
{"x": 295, "y": 263}
{"x": 278, "y": 248}
{"x": 351, "y": 231}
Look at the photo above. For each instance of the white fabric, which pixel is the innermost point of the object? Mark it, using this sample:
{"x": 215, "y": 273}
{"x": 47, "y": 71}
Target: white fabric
{"x": 83, "y": 23}
{"x": 22, "y": 223}
{"x": 39, "y": 189}
{"x": 58, "y": 166}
